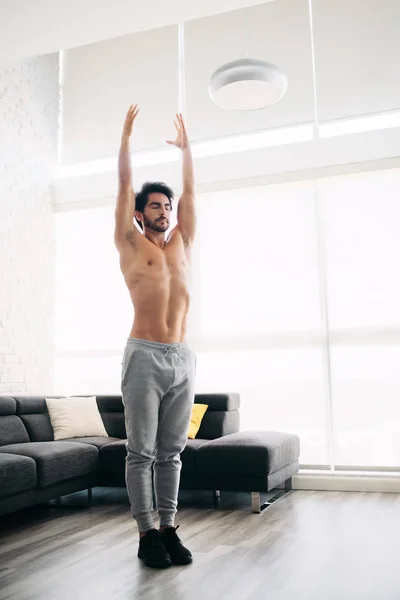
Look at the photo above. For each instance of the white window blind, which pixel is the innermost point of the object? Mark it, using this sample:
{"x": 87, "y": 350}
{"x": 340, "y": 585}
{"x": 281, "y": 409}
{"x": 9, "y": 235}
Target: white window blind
{"x": 356, "y": 48}
{"x": 101, "y": 80}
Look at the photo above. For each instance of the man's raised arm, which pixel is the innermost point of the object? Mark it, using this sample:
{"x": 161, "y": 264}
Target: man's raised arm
{"x": 125, "y": 208}
{"x": 186, "y": 206}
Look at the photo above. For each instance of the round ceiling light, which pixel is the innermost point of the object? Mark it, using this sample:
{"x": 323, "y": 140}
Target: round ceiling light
{"x": 247, "y": 84}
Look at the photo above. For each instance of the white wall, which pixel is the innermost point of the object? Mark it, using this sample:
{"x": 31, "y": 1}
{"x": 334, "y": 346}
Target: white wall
{"x": 29, "y": 108}
{"x": 72, "y": 23}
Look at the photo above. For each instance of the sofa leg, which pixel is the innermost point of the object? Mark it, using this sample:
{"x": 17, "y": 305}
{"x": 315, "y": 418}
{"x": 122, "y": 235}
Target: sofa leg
{"x": 90, "y": 497}
{"x": 216, "y": 496}
{"x": 258, "y": 507}
{"x": 256, "y": 502}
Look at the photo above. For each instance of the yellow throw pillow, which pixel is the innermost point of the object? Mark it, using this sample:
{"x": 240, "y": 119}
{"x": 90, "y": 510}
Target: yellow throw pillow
{"x": 198, "y": 412}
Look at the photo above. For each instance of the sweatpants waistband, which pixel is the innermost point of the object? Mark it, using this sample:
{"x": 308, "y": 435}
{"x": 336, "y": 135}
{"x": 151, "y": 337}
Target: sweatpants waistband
{"x": 139, "y": 343}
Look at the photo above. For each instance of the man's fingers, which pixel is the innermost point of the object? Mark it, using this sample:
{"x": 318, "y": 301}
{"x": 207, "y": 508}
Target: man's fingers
{"x": 182, "y": 122}
{"x": 129, "y": 114}
{"x": 133, "y": 110}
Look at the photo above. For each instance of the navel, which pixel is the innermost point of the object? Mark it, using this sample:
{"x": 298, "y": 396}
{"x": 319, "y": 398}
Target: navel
{"x": 150, "y": 262}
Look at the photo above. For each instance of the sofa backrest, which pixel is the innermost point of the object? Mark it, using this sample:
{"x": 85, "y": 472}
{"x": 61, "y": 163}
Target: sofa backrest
{"x": 12, "y": 429}
{"x": 112, "y": 413}
{"x": 34, "y": 414}
{"x": 26, "y": 418}
{"x": 221, "y": 418}
{"x": 222, "y": 415}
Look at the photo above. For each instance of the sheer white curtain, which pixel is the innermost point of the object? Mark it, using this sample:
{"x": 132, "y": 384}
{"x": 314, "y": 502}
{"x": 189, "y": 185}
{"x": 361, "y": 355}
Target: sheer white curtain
{"x": 361, "y": 222}
{"x": 259, "y": 310}
{"x": 93, "y": 308}
{"x": 257, "y": 323}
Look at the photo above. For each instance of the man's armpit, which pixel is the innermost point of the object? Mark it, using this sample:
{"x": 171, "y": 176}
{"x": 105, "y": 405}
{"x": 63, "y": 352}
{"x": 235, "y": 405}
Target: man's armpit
{"x": 131, "y": 237}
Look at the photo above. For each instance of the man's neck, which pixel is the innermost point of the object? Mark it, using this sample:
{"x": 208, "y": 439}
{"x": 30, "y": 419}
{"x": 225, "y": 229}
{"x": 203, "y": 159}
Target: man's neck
{"x": 157, "y": 238}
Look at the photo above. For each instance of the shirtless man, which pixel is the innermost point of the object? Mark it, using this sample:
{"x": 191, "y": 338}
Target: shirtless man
{"x": 158, "y": 368}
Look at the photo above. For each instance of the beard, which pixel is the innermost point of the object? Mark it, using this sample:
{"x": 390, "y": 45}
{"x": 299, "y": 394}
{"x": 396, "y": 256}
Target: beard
{"x": 157, "y": 226}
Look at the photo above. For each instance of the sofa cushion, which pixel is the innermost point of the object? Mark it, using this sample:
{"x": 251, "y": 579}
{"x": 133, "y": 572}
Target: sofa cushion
{"x": 8, "y": 406}
{"x": 38, "y": 427}
{"x": 112, "y": 463}
{"x": 198, "y": 412}
{"x": 57, "y": 461}
{"x": 114, "y": 452}
{"x": 112, "y": 412}
{"x": 31, "y": 405}
{"x": 33, "y": 412}
{"x": 222, "y": 416}
{"x": 112, "y": 459}
{"x": 249, "y": 453}
{"x": 188, "y": 456}
{"x": 99, "y": 442}
{"x": 75, "y": 416}
{"x": 17, "y": 474}
{"x": 12, "y": 431}
{"x": 218, "y": 423}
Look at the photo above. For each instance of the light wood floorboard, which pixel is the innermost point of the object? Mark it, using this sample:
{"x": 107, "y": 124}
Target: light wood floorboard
{"x": 307, "y": 546}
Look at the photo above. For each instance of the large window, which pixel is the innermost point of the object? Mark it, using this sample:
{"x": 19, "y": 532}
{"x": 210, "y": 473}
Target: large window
{"x": 93, "y": 306}
{"x": 295, "y": 306}
{"x": 361, "y": 223}
{"x": 259, "y": 269}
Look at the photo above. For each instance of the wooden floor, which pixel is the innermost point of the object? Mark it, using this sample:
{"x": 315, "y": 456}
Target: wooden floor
{"x": 307, "y": 546}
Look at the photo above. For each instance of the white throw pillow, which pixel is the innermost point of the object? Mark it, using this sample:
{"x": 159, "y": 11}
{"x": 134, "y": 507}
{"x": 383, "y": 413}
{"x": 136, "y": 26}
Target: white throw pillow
{"x": 75, "y": 417}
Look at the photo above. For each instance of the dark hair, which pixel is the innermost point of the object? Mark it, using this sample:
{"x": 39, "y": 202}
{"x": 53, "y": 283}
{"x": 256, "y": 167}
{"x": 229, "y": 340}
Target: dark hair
{"x": 151, "y": 187}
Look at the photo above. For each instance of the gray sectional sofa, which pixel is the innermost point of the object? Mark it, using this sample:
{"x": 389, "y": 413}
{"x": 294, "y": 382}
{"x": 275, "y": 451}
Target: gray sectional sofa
{"x": 35, "y": 469}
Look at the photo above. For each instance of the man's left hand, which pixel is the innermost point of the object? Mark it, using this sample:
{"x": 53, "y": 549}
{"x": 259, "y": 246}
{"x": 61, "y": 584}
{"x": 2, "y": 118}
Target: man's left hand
{"x": 182, "y": 140}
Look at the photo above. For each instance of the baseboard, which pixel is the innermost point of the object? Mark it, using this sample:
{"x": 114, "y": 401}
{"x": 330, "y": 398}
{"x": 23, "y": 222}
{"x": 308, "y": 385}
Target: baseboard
{"x": 347, "y": 483}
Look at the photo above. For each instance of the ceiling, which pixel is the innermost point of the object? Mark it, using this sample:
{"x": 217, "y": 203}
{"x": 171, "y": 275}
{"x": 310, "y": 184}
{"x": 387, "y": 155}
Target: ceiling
{"x": 355, "y": 43}
{"x": 120, "y": 51}
{"x": 31, "y": 27}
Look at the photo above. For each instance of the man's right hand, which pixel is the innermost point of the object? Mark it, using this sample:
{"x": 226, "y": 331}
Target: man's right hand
{"x": 124, "y": 158}
{"x": 130, "y": 118}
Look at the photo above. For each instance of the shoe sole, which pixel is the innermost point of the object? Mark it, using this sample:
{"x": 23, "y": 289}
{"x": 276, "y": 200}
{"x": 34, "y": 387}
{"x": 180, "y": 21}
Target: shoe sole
{"x": 183, "y": 562}
{"x": 165, "y": 564}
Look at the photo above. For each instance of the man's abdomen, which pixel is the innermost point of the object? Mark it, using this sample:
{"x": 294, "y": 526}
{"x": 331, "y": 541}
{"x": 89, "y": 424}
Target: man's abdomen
{"x": 161, "y": 319}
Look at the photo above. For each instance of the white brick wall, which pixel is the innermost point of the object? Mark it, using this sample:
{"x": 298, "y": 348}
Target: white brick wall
{"x": 29, "y": 107}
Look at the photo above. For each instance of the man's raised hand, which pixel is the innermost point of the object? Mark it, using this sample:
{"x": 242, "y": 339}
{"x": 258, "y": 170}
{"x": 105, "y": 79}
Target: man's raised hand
{"x": 129, "y": 120}
{"x": 182, "y": 140}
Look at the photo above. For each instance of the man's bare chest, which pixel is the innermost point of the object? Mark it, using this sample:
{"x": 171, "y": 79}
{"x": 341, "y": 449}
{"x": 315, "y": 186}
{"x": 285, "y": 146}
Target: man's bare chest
{"x": 157, "y": 265}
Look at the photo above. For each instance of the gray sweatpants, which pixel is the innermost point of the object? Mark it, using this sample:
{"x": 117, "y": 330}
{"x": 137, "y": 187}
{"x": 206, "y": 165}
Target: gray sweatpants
{"x": 158, "y": 392}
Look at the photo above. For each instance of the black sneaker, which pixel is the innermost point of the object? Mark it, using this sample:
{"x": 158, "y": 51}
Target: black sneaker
{"x": 173, "y": 545}
{"x": 153, "y": 552}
